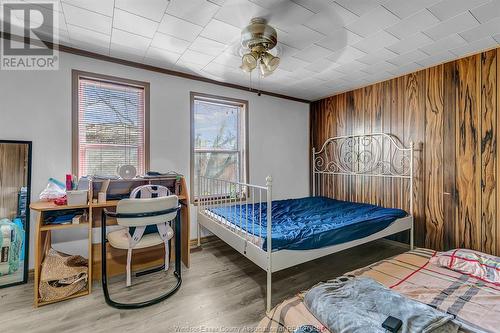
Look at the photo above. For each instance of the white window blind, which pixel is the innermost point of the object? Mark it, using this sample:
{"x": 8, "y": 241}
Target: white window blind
{"x": 111, "y": 129}
{"x": 219, "y": 140}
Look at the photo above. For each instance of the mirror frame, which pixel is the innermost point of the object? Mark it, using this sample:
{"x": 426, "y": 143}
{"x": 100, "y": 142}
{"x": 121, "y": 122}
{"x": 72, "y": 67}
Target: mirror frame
{"x": 28, "y": 213}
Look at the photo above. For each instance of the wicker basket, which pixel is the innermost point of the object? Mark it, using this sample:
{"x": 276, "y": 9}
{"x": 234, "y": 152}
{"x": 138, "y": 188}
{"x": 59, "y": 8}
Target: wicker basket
{"x": 62, "y": 275}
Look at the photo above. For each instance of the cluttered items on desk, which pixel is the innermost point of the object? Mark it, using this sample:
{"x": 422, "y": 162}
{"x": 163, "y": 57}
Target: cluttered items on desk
{"x": 100, "y": 189}
{"x": 105, "y": 189}
{"x": 68, "y": 216}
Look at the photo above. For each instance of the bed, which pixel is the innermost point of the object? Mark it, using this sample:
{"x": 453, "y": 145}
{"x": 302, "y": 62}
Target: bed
{"x": 475, "y": 304}
{"x": 298, "y": 230}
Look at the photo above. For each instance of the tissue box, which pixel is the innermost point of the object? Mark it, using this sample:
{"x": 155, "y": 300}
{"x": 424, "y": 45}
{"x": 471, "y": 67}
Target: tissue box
{"x": 77, "y": 197}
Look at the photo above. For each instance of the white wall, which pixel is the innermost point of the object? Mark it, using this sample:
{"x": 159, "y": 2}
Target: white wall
{"x": 36, "y": 105}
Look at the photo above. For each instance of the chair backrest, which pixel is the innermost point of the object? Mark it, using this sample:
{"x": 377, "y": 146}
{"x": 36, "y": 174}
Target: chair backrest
{"x": 150, "y": 191}
{"x": 147, "y": 205}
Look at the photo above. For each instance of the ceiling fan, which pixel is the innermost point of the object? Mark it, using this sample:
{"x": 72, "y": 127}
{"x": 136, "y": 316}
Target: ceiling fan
{"x": 257, "y": 39}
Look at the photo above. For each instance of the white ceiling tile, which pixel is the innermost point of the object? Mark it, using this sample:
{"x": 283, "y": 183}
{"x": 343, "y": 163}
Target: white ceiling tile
{"x": 57, "y": 5}
{"x": 379, "y": 77}
{"x": 55, "y": 36}
{"x": 379, "y": 67}
{"x": 169, "y": 43}
{"x": 131, "y": 40}
{"x": 290, "y": 64}
{"x": 104, "y": 7}
{"x": 239, "y": 12}
{"x": 195, "y": 11}
{"x": 221, "y": 32}
{"x": 315, "y": 6}
{"x": 228, "y": 59}
{"x": 134, "y": 24}
{"x": 487, "y": 11}
{"x": 408, "y": 68}
{"x": 300, "y": 73}
{"x": 456, "y": 24}
{"x": 490, "y": 28}
{"x": 413, "y": 24}
{"x": 218, "y": 70}
{"x": 436, "y": 59}
{"x": 285, "y": 50}
{"x": 189, "y": 67}
{"x": 78, "y": 35}
{"x": 449, "y": 8}
{"x": 38, "y": 17}
{"x": 151, "y": 9}
{"x": 407, "y": 58}
{"x": 313, "y": 53}
{"x": 321, "y": 65}
{"x": 497, "y": 38}
{"x": 355, "y": 76}
{"x": 376, "y": 42}
{"x": 352, "y": 67}
{"x": 182, "y": 29}
{"x": 300, "y": 37}
{"x": 162, "y": 56}
{"x": 406, "y": 8}
{"x": 126, "y": 52}
{"x": 373, "y": 21}
{"x": 481, "y": 44}
{"x": 207, "y": 46}
{"x": 160, "y": 63}
{"x": 286, "y": 14}
{"x": 447, "y": 43}
{"x": 346, "y": 55}
{"x": 410, "y": 43}
{"x": 197, "y": 58}
{"x": 378, "y": 56}
{"x": 359, "y": 7}
{"x": 331, "y": 19}
{"x": 339, "y": 39}
{"x": 99, "y": 49}
{"x": 87, "y": 19}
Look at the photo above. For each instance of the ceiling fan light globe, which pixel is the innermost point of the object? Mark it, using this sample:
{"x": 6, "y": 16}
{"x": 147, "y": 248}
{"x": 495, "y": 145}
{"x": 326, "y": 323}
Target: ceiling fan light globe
{"x": 271, "y": 61}
{"x": 245, "y": 68}
{"x": 264, "y": 70}
{"x": 249, "y": 60}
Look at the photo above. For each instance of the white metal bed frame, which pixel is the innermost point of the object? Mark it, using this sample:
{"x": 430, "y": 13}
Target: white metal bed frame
{"x": 368, "y": 155}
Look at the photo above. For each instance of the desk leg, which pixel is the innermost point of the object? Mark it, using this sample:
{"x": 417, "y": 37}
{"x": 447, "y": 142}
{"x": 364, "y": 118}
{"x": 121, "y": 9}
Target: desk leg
{"x": 185, "y": 233}
{"x": 178, "y": 232}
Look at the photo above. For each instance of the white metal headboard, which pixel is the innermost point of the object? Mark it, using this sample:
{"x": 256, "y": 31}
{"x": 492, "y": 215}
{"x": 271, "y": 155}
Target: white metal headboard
{"x": 372, "y": 155}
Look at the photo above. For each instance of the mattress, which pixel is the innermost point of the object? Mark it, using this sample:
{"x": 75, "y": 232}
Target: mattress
{"x": 309, "y": 223}
{"x": 474, "y": 303}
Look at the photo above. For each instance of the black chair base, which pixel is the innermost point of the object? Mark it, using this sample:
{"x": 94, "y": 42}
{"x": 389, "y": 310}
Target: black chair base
{"x": 131, "y": 306}
{"x": 104, "y": 277}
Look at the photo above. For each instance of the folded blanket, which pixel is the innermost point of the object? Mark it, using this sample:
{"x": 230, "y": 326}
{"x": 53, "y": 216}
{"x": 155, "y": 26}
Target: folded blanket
{"x": 361, "y": 305}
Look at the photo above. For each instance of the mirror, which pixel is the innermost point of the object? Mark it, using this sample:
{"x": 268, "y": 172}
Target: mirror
{"x": 15, "y": 189}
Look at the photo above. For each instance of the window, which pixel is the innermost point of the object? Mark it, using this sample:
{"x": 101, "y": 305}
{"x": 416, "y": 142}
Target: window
{"x": 110, "y": 124}
{"x": 218, "y": 139}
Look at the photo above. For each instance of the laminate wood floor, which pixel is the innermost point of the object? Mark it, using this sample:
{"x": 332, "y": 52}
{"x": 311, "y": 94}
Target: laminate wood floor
{"x": 221, "y": 292}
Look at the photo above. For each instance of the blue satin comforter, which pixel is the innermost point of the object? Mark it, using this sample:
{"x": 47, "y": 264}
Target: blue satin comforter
{"x": 311, "y": 222}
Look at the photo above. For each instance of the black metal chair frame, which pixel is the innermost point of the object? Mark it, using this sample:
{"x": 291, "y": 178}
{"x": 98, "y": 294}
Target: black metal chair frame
{"x": 177, "y": 271}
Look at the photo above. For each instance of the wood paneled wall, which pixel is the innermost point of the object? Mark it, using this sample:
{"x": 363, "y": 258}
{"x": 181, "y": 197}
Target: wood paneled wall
{"x": 451, "y": 112}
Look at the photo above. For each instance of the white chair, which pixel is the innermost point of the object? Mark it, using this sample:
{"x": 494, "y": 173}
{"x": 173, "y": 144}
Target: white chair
{"x": 153, "y": 208}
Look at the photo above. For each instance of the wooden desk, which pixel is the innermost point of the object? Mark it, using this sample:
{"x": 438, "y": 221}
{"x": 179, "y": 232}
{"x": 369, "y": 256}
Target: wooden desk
{"x": 142, "y": 258}
{"x": 43, "y": 243}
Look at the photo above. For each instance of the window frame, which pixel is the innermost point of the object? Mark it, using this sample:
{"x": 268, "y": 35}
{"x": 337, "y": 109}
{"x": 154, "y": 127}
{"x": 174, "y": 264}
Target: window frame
{"x": 243, "y": 127}
{"x": 76, "y": 76}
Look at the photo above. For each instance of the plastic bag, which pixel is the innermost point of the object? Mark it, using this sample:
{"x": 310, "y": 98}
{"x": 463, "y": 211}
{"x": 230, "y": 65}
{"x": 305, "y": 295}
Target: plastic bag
{"x": 54, "y": 190}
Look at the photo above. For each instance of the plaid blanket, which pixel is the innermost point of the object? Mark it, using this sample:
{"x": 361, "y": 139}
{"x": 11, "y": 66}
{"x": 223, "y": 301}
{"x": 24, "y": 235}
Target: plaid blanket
{"x": 474, "y": 303}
